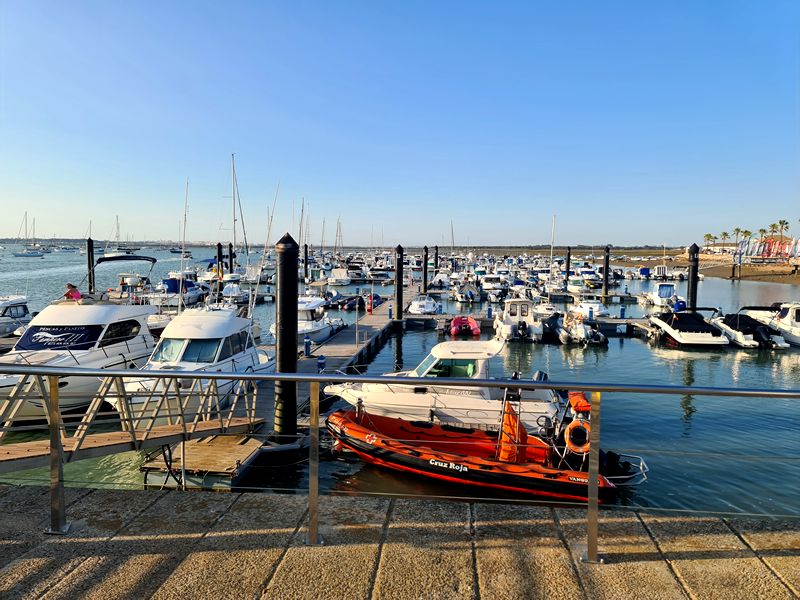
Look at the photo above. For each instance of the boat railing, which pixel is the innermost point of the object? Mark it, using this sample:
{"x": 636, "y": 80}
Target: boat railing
{"x": 187, "y": 406}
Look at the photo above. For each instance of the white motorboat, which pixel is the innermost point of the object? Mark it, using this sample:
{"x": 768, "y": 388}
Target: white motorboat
{"x": 209, "y": 338}
{"x": 312, "y": 321}
{"x": 662, "y": 296}
{"x": 576, "y": 284}
{"x": 439, "y": 402}
{"x": 82, "y": 333}
{"x": 688, "y": 328}
{"x": 492, "y": 282}
{"x": 544, "y": 309}
{"x": 13, "y": 314}
{"x": 744, "y": 331}
{"x": 518, "y": 321}
{"x": 339, "y": 277}
{"x": 424, "y": 305}
{"x": 571, "y": 329}
{"x": 590, "y": 307}
{"x": 784, "y": 318}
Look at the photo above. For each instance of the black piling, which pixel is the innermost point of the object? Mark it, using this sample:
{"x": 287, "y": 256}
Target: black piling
{"x": 231, "y": 256}
{"x": 569, "y": 260}
{"x": 606, "y": 260}
{"x": 398, "y": 284}
{"x": 287, "y": 253}
{"x": 220, "y": 271}
{"x": 436, "y": 260}
{"x": 694, "y": 270}
{"x": 90, "y": 264}
{"x": 425, "y": 270}
{"x": 305, "y": 262}
{"x": 398, "y": 353}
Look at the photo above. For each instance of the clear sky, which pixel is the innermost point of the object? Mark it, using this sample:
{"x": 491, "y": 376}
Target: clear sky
{"x": 633, "y": 122}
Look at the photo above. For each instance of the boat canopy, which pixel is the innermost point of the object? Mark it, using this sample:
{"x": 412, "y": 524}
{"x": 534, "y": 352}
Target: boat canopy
{"x": 467, "y": 349}
{"x": 204, "y": 323}
{"x": 309, "y": 303}
{"x": 80, "y": 313}
{"x": 104, "y": 259}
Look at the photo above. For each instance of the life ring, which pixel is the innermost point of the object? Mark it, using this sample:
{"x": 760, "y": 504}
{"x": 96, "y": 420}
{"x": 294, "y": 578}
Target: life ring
{"x": 573, "y": 446}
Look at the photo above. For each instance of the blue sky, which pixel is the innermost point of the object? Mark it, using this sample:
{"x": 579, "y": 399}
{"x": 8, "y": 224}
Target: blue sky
{"x": 633, "y": 122}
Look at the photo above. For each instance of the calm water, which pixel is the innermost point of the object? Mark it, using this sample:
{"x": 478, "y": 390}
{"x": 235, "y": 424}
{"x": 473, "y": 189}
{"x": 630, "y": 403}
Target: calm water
{"x": 716, "y": 454}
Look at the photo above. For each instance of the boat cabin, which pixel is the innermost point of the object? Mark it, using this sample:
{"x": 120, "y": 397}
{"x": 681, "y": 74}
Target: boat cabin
{"x": 310, "y": 308}
{"x": 459, "y": 359}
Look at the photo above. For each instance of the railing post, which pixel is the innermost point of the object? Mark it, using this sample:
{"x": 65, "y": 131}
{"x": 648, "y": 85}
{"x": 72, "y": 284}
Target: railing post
{"x": 313, "y": 469}
{"x": 591, "y": 555}
{"x": 58, "y": 517}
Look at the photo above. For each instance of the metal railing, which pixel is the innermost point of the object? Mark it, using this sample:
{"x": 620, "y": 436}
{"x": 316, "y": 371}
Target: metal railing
{"x": 114, "y": 379}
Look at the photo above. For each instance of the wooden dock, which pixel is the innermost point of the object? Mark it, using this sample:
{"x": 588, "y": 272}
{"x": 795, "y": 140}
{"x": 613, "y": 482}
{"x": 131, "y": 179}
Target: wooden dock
{"x": 28, "y": 455}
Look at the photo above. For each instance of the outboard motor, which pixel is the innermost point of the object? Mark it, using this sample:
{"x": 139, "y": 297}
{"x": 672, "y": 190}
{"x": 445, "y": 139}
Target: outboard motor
{"x": 762, "y": 336}
{"x": 522, "y": 330}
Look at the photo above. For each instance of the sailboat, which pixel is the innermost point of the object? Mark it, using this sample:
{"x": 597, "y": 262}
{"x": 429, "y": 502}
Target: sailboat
{"x": 117, "y": 250}
{"x": 31, "y": 250}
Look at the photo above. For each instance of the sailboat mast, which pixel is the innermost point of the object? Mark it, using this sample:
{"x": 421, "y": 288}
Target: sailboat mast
{"x": 183, "y": 246}
{"x": 233, "y": 198}
{"x": 553, "y": 240}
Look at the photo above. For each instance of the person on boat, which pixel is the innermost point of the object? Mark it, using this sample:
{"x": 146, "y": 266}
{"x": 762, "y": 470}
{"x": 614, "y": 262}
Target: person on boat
{"x": 72, "y": 292}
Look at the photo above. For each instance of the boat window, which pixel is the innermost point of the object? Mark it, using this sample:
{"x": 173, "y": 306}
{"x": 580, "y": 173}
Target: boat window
{"x": 247, "y": 340}
{"x": 523, "y": 310}
{"x": 425, "y": 365}
{"x": 237, "y": 342}
{"x": 453, "y": 367}
{"x": 168, "y": 350}
{"x": 784, "y": 313}
{"x": 120, "y": 332}
{"x": 231, "y": 345}
{"x": 59, "y": 337}
{"x": 16, "y": 312}
{"x": 201, "y": 351}
{"x": 512, "y": 310}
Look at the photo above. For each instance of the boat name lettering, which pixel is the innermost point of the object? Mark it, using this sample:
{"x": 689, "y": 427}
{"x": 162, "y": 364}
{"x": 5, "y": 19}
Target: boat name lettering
{"x": 578, "y": 479}
{"x": 449, "y": 465}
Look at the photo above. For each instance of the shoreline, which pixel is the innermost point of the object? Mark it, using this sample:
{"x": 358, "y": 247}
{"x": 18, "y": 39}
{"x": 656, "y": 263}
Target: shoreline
{"x": 721, "y": 269}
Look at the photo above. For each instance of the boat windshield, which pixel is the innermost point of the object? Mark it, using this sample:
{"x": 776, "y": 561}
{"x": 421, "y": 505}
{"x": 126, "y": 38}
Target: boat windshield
{"x": 168, "y": 350}
{"x": 452, "y": 368}
{"x": 59, "y": 337}
{"x": 201, "y": 351}
{"x": 424, "y": 365}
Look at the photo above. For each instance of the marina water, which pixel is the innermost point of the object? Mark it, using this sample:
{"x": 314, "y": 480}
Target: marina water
{"x": 705, "y": 453}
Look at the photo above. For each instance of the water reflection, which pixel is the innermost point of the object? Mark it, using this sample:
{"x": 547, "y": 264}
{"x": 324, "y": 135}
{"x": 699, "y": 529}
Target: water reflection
{"x": 687, "y": 401}
{"x": 398, "y": 353}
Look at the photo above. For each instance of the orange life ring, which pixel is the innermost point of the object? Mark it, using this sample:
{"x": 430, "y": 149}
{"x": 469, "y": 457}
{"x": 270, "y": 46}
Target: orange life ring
{"x": 573, "y": 446}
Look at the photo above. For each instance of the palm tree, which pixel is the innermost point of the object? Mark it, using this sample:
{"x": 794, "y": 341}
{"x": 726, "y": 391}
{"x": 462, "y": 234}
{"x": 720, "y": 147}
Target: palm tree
{"x": 773, "y": 229}
{"x": 707, "y": 238}
{"x": 737, "y": 232}
{"x": 783, "y": 227}
{"x": 746, "y": 234}
{"x": 724, "y": 236}
{"x": 762, "y": 233}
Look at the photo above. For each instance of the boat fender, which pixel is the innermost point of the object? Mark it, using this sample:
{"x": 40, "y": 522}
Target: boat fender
{"x": 581, "y": 444}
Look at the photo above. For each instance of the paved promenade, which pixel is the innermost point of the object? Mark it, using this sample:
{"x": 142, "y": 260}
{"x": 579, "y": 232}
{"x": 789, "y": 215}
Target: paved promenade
{"x": 140, "y": 544}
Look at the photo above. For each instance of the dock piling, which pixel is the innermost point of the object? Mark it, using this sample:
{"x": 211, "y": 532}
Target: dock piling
{"x": 606, "y": 261}
{"x": 425, "y": 270}
{"x": 694, "y": 269}
{"x": 305, "y": 263}
{"x": 398, "y": 283}
{"x": 435, "y": 260}
{"x": 287, "y": 254}
{"x": 90, "y": 264}
{"x": 231, "y": 256}
{"x": 566, "y": 265}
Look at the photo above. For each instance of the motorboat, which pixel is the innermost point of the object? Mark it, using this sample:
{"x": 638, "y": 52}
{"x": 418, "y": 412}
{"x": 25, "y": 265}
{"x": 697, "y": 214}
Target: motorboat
{"x": 173, "y": 293}
{"x": 79, "y": 333}
{"x": 468, "y": 293}
{"x": 13, "y": 314}
{"x": 208, "y": 338}
{"x": 544, "y": 309}
{"x": 571, "y": 329}
{"x": 687, "y": 328}
{"x": 439, "y": 402}
{"x": 783, "y": 317}
{"x": 464, "y": 325}
{"x": 553, "y": 465}
{"x": 424, "y": 305}
{"x": 492, "y": 282}
{"x": 312, "y": 321}
{"x": 662, "y": 296}
{"x": 744, "y": 331}
{"x": 576, "y": 284}
{"x": 518, "y": 321}
{"x": 590, "y": 307}
{"x": 339, "y": 277}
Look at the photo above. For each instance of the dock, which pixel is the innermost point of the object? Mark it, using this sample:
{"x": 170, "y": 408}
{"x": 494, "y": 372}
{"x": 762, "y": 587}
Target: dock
{"x": 168, "y": 544}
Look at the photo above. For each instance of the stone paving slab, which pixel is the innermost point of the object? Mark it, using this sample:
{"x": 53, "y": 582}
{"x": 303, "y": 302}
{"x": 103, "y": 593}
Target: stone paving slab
{"x": 427, "y": 552}
{"x": 711, "y": 561}
{"x": 351, "y": 529}
{"x": 778, "y": 544}
{"x": 519, "y": 554}
{"x": 633, "y": 562}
